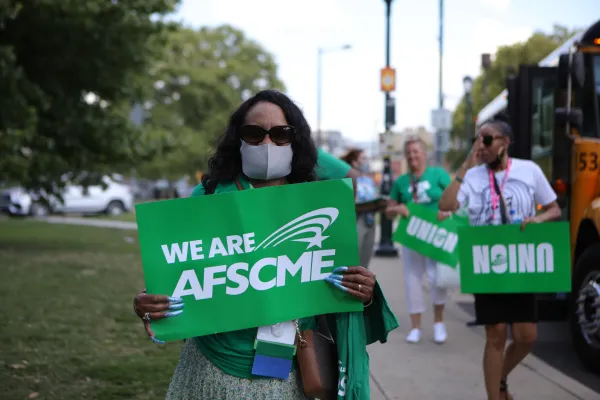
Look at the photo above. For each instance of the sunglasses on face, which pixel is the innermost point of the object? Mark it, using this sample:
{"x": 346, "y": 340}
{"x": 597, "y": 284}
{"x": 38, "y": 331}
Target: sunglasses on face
{"x": 487, "y": 140}
{"x": 254, "y": 135}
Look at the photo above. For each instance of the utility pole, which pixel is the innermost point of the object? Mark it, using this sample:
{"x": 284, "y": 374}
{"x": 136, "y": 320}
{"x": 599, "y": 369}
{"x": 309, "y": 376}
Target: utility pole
{"x": 441, "y": 118}
{"x": 486, "y": 63}
{"x": 468, "y": 86}
{"x": 319, "y": 95}
{"x": 386, "y": 245}
{"x": 441, "y": 40}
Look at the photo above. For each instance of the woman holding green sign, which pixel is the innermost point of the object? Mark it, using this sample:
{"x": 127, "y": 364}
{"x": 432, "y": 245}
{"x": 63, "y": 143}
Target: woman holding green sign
{"x": 423, "y": 185}
{"x": 502, "y": 190}
{"x": 268, "y": 143}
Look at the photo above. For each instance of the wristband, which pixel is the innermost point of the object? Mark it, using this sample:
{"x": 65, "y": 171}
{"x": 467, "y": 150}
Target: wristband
{"x": 458, "y": 179}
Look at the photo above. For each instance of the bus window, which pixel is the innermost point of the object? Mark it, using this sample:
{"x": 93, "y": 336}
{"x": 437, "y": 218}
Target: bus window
{"x": 597, "y": 78}
{"x": 588, "y": 97}
{"x": 542, "y": 122}
{"x": 597, "y": 73}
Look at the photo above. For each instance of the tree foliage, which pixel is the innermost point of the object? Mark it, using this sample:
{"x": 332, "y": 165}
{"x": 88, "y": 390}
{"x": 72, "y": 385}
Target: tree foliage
{"x": 55, "y": 55}
{"x": 202, "y": 76}
{"x": 532, "y": 51}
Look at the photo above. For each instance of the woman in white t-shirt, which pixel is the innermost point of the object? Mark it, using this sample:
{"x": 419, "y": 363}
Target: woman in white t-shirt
{"x": 502, "y": 190}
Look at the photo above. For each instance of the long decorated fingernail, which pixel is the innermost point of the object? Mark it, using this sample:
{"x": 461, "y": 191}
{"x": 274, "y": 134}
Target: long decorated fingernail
{"x": 339, "y": 286}
{"x": 173, "y": 313}
{"x": 176, "y": 306}
{"x": 175, "y": 300}
{"x": 336, "y": 277}
{"x": 340, "y": 270}
{"x": 155, "y": 340}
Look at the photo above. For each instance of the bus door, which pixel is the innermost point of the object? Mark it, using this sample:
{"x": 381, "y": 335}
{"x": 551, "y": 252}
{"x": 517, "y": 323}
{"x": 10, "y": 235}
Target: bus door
{"x": 532, "y": 97}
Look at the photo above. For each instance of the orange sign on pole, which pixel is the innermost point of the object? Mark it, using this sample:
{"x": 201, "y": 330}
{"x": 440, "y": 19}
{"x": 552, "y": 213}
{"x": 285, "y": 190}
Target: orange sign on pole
{"x": 388, "y": 79}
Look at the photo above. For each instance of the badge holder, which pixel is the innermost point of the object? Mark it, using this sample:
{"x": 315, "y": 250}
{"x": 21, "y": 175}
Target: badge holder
{"x": 274, "y": 350}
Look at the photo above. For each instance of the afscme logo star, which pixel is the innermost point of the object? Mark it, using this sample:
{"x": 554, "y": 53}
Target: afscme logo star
{"x": 317, "y": 240}
{"x": 306, "y": 228}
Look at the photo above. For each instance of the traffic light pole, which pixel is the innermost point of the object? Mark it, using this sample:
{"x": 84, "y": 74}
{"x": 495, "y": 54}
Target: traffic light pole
{"x": 386, "y": 246}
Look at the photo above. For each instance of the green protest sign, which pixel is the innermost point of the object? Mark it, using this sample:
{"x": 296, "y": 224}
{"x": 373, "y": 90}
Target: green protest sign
{"x": 504, "y": 259}
{"x": 249, "y": 258}
{"x": 423, "y": 233}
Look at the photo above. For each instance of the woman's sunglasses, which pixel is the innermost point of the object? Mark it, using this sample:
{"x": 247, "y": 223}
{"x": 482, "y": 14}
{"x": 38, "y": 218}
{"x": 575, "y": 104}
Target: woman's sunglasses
{"x": 487, "y": 140}
{"x": 254, "y": 135}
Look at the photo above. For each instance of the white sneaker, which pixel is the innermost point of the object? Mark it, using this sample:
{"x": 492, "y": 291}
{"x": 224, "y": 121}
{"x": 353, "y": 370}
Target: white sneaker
{"x": 439, "y": 332}
{"x": 414, "y": 336}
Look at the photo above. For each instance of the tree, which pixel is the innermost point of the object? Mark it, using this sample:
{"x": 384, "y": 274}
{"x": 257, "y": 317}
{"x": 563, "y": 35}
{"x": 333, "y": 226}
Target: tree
{"x": 536, "y": 48}
{"x": 70, "y": 71}
{"x": 201, "y": 78}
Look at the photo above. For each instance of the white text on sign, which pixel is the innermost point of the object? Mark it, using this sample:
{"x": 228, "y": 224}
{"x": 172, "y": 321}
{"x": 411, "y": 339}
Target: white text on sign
{"x": 310, "y": 265}
{"x": 519, "y": 258}
{"x": 432, "y": 234}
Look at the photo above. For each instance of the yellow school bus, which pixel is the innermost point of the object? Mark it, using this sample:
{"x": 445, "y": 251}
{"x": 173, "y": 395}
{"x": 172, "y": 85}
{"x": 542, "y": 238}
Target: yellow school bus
{"x": 554, "y": 109}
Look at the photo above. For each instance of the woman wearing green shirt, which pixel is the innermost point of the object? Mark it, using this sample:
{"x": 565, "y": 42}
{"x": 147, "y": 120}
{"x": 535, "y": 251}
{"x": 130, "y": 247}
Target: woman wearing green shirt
{"x": 423, "y": 185}
{"x": 267, "y": 143}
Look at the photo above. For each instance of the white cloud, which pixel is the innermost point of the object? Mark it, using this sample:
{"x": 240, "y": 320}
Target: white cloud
{"x": 270, "y": 17}
{"x": 490, "y": 34}
{"x": 499, "y": 5}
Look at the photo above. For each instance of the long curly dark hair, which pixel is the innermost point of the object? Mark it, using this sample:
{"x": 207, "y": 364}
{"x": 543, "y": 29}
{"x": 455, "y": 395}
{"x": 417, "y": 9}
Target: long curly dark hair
{"x": 226, "y": 163}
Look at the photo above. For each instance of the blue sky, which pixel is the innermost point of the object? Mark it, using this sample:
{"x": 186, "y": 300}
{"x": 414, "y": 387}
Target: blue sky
{"x": 352, "y": 101}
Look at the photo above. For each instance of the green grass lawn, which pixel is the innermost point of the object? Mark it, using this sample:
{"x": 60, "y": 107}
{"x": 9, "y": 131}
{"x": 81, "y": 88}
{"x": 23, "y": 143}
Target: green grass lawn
{"x": 68, "y": 329}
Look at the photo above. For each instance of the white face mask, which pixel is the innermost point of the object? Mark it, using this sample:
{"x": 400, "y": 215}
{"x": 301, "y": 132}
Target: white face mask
{"x": 266, "y": 161}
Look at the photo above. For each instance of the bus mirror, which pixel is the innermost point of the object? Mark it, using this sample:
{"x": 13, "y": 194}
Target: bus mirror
{"x": 574, "y": 117}
{"x": 563, "y": 71}
{"x": 575, "y": 70}
{"x": 578, "y": 70}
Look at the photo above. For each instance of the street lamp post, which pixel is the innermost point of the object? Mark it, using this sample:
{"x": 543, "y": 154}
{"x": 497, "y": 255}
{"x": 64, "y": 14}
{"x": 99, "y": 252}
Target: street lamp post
{"x": 442, "y": 116}
{"x": 468, "y": 86}
{"x": 136, "y": 116}
{"x": 320, "y": 53}
{"x": 486, "y": 64}
{"x": 386, "y": 245}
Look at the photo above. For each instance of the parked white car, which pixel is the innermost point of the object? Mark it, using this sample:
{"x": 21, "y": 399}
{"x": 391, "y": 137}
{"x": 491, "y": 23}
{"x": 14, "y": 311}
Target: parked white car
{"x": 115, "y": 199}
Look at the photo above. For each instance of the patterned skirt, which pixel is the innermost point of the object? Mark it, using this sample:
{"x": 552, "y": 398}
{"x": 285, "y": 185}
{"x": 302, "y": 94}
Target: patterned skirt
{"x": 196, "y": 378}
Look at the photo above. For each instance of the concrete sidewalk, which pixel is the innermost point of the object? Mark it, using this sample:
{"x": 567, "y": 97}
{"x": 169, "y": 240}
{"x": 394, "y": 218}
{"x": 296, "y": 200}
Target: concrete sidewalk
{"x": 452, "y": 371}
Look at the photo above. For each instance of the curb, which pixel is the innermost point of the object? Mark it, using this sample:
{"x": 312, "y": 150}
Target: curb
{"x": 99, "y": 223}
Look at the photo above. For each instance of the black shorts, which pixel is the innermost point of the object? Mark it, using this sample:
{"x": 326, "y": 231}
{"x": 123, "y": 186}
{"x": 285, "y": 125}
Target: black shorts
{"x": 491, "y": 309}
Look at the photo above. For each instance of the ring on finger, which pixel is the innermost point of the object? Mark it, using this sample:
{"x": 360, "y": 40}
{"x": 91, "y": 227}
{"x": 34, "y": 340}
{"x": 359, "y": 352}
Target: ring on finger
{"x": 147, "y": 317}
{"x": 359, "y": 287}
